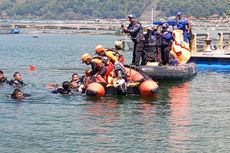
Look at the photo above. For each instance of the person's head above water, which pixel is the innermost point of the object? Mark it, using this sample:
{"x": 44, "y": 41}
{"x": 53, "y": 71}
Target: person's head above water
{"x": 75, "y": 77}
{"x": 17, "y": 94}
{"x": 17, "y": 76}
{"x": 66, "y": 85}
{"x": 73, "y": 84}
{"x": 1, "y": 75}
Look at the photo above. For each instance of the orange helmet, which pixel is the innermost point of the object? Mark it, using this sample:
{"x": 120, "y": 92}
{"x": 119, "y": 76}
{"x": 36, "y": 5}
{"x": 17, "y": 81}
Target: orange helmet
{"x": 85, "y": 57}
{"x": 99, "y": 49}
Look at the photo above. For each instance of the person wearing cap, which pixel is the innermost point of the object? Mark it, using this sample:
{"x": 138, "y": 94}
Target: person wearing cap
{"x": 111, "y": 54}
{"x": 164, "y": 44}
{"x": 97, "y": 67}
{"x": 136, "y": 33}
{"x": 115, "y": 58}
{"x": 150, "y": 47}
{"x": 184, "y": 25}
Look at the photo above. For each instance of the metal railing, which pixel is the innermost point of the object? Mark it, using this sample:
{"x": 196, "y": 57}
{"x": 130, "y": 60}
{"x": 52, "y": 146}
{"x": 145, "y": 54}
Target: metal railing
{"x": 203, "y": 42}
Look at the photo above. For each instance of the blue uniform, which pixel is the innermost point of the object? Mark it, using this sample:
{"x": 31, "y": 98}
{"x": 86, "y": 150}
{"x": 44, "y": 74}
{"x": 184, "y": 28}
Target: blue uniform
{"x": 181, "y": 24}
{"x": 165, "y": 45}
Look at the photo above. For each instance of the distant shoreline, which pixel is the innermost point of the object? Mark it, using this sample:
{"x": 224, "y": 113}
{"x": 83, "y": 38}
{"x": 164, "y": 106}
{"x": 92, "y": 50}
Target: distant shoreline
{"x": 106, "y": 27}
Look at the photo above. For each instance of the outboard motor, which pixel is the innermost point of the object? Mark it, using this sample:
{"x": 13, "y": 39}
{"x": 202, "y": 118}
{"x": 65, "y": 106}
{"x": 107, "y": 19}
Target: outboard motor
{"x": 120, "y": 71}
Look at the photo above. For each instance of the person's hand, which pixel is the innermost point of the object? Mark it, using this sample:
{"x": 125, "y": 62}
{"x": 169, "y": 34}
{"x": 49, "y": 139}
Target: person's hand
{"x": 122, "y": 27}
{"x": 87, "y": 72}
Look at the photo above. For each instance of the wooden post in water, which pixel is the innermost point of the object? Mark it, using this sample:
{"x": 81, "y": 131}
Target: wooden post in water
{"x": 228, "y": 43}
{"x": 206, "y": 38}
{"x": 194, "y": 44}
{"x": 220, "y": 41}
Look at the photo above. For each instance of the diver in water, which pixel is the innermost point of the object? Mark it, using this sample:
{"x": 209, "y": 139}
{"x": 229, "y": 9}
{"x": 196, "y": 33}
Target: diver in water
{"x": 64, "y": 90}
{"x": 17, "y": 81}
{"x": 19, "y": 95}
{"x": 3, "y": 79}
{"x": 76, "y": 78}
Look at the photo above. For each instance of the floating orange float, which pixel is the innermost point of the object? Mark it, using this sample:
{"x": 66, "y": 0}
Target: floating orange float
{"x": 148, "y": 87}
{"x": 95, "y": 89}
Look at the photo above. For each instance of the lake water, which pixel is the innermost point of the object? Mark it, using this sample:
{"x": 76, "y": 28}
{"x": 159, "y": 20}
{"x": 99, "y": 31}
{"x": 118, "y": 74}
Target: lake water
{"x": 185, "y": 116}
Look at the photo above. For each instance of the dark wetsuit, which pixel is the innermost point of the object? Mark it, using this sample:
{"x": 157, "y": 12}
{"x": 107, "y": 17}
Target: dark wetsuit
{"x": 16, "y": 83}
{"x": 61, "y": 91}
{"x": 97, "y": 67}
{"x": 4, "y": 80}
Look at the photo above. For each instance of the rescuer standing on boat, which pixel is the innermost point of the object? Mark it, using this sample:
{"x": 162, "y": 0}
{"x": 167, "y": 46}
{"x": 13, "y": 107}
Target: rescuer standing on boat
{"x": 165, "y": 42}
{"x": 184, "y": 25}
{"x": 150, "y": 47}
{"x": 135, "y": 31}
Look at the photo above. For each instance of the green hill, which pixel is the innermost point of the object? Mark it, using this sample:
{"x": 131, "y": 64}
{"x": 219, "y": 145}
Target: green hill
{"x": 91, "y": 9}
{"x": 197, "y": 8}
{"x": 71, "y": 9}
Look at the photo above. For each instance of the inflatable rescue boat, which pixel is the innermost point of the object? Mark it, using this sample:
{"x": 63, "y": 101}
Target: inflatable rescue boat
{"x": 182, "y": 71}
{"x": 136, "y": 84}
{"x": 181, "y": 53}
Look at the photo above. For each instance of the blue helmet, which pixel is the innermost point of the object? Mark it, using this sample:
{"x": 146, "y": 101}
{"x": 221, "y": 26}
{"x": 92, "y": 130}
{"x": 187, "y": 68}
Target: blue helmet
{"x": 179, "y": 13}
{"x": 165, "y": 25}
{"x": 131, "y": 16}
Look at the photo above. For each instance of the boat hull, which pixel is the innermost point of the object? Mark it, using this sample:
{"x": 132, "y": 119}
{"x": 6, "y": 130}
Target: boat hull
{"x": 183, "y": 71}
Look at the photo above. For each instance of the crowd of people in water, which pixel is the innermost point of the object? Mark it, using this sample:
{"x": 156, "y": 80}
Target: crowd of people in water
{"x": 16, "y": 82}
{"x": 102, "y": 65}
{"x": 107, "y": 66}
{"x": 76, "y": 84}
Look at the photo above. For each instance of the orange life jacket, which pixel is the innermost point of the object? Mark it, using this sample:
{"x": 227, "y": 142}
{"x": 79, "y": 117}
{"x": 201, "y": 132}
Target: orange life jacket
{"x": 114, "y": 56}
{"x": 98, "y": 61}
{"x": 180, "y": 49}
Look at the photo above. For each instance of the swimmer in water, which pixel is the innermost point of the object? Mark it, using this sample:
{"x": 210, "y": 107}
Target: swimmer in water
{"x": 75, "y": 77}
{"x": 17, "y": 81}
{"x": 3, "y": 79}
{"x": 19, "y": 95}
{"x": 64, "y": 90}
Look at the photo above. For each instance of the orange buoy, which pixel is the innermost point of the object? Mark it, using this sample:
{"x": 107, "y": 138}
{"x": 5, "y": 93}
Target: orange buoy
{"x": 95, "y": 89}
{"x": 148, "y": 87}
{"x": 32, "y": 68}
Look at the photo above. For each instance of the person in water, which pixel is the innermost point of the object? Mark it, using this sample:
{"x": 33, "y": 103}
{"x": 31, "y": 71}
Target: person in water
{"x": 17, "y": 81}
{"x": 3, "y": 79}
{"x": 76, "y": 78}
{"x": 136, "y": 32}
{"x": 19, "y": 95}
{"x": 64, "y": 90}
